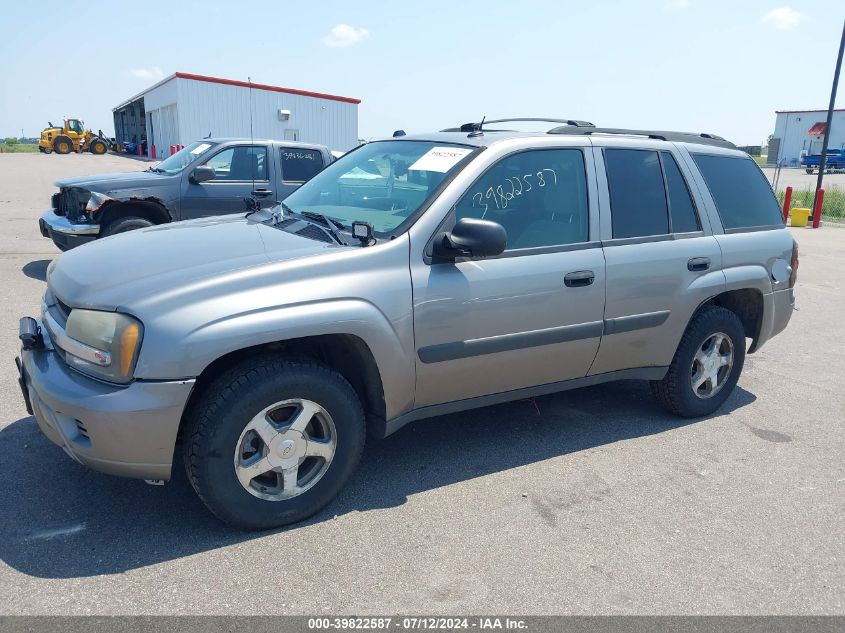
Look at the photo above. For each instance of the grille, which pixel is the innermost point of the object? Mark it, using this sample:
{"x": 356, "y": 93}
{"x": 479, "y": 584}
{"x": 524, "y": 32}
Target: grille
{"x": 82, "y": 430}
{"x": 57, "y": 203}
{"x": 63, "y": 308}
{"x": 58, "y": 308}
{"x": 74, "y": 200}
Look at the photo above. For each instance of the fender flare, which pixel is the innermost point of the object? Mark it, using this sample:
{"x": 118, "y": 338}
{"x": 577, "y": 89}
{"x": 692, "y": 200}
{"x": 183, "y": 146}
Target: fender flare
{"x": 211, "y": 340}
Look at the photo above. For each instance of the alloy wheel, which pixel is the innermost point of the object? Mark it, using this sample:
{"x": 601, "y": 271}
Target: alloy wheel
{"x": 285, "y": 449}
{"x": 712, "y": 365}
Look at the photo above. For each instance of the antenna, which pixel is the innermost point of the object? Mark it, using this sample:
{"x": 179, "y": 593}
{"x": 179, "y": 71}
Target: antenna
{"x": 479, "y": 131}
{"x": 251, "y": 136}
{"x": 251, "y": 201}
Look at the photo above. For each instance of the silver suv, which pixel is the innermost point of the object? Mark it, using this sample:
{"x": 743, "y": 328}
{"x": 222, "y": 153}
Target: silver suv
{"x": 413, "y": 277}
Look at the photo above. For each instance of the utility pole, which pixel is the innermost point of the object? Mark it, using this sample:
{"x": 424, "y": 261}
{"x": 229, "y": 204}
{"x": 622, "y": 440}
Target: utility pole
{"x": 830, "y": 111}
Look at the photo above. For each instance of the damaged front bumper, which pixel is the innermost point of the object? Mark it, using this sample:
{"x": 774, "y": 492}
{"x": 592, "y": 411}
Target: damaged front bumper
{"x": 64, "y": 233}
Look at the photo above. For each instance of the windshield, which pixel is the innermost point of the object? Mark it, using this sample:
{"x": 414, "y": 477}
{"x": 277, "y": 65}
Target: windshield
{"x": 178, "y": 161}
{"x": 383, "y": 182}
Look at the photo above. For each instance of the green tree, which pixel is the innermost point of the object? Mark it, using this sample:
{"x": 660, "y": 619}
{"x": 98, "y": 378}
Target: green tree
{"x": 11, "y": 141}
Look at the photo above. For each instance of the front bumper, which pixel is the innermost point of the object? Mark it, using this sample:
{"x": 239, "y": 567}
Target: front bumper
{"x": 64, "y": 233}
{"x": 120, "y": 430}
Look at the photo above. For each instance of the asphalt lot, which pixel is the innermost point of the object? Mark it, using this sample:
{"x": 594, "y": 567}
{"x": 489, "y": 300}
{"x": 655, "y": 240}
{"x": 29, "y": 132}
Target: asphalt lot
{"x": 592, "y": 501}
{"x": 800, "y": 180}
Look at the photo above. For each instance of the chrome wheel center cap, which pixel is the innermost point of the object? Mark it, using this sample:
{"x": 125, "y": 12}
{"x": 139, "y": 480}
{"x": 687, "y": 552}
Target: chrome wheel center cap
{"x": 286, "y": 449}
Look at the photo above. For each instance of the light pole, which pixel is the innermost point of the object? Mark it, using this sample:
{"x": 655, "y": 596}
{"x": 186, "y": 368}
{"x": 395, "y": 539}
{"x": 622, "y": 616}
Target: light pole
{"x": 830, "y": 112}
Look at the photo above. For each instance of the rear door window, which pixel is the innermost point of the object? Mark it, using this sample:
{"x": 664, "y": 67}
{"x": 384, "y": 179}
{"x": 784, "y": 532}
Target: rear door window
{"x": 741, "y": 192}
{"x": 298, "y": 165}
{"x": 681, "y": 207}
{"x": 637, "y": 194}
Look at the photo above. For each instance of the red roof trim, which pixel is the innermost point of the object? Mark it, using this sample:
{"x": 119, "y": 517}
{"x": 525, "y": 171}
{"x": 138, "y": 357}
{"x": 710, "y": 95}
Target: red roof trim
{"x": 806, "y": 111}
{"x": 244, "y": 84}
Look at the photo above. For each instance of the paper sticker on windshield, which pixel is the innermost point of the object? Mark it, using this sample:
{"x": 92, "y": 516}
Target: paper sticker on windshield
{"x": 440, "y": 159}
{"x": 199, "y": 149}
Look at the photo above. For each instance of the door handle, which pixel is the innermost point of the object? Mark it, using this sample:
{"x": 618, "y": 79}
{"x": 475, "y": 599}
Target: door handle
{"x": 262, "y": 192}
{"x": 579, "y": 278}
{"x": 698, "y": 264}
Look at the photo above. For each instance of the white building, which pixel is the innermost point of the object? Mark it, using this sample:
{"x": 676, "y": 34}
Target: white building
{"x": 800, "y": 132}
{"x": 183, "y": 108}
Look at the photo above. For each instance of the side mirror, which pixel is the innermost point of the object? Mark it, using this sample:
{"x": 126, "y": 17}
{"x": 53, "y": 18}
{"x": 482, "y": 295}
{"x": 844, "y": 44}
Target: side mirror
{"x": 471, "y": 238}
{"x": 202, "y": 173}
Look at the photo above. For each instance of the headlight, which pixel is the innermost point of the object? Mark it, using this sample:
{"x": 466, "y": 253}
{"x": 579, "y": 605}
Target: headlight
{"x": 110, "y": 343}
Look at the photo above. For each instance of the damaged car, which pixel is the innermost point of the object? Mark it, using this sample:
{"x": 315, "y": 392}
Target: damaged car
{"x": 208, "y": 177}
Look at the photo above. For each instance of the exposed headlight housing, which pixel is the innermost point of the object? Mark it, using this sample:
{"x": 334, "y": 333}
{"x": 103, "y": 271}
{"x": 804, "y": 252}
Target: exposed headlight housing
{"x": 102, "y": 344}
{"x": 96, "y": 201}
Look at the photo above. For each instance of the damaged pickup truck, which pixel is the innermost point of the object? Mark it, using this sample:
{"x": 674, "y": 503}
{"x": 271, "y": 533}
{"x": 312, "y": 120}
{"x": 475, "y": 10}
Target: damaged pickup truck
{"x": 208, "y": 177}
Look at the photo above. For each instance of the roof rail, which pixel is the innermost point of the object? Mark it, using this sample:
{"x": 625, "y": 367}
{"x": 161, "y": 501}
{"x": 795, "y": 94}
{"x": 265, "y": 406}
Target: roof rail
{"x": 475, "y": 127}
{"x": 660, "y": 135}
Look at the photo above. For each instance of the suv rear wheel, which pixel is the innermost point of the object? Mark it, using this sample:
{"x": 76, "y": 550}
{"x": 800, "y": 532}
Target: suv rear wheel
{"x": 272, "y": 441}
{"x": 706, "y": 366}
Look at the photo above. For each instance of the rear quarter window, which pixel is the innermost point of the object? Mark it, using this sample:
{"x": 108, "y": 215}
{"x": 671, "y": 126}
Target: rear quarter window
{"x": 741, "y": 192}
{"x": 298, "y": 165}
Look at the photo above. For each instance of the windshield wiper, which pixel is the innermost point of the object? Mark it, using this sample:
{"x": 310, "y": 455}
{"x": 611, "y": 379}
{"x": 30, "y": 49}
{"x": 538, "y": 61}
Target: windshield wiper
{"x": 331, "y": 225}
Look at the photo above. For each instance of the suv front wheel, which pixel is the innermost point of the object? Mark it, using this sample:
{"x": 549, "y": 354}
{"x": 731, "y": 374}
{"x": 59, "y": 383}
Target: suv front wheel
{"x": 125, "y": 224}
{"x": 706, "y": 366}
{"x": 272, "y": 441}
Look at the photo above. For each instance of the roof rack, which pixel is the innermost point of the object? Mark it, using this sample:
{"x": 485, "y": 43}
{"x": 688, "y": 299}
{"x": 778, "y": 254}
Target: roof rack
{"x": 476, "y": 127}
{"x": 660, "y": 135}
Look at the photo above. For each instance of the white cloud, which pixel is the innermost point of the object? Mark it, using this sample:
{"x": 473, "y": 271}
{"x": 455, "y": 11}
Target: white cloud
{"x": 147, "y": 73}
{"x": 784, "y": 18}
{"x": 676, "y": 5}
{"x": 345, "y": 35}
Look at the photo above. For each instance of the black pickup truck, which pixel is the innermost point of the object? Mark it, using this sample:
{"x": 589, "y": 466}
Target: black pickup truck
{"x": 208, "y": 177}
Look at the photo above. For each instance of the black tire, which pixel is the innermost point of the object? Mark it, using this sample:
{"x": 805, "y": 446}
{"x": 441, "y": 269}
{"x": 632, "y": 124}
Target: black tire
{"x": 675, "y": 391}
{"x": 98, "y": 146}
{"x": 215, "y": 423}
{"x": 62, "y": 145}
{"x": 122, "y": 225}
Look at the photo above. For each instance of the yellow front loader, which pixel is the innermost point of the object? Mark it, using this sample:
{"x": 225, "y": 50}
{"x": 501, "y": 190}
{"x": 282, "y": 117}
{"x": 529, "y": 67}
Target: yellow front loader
{"x": 71, "y": 137}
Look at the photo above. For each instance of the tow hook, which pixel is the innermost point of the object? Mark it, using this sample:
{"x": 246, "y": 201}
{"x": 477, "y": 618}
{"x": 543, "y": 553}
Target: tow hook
{"x": 30, "y": 334}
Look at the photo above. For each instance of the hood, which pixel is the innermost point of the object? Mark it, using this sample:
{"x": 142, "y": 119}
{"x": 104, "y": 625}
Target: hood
{"x": 103, "y": 183}
{"x": 129, "y": 270}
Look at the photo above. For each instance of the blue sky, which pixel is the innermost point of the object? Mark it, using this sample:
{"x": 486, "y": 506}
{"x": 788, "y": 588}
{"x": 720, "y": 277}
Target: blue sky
{"x": 721, "y": 66}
